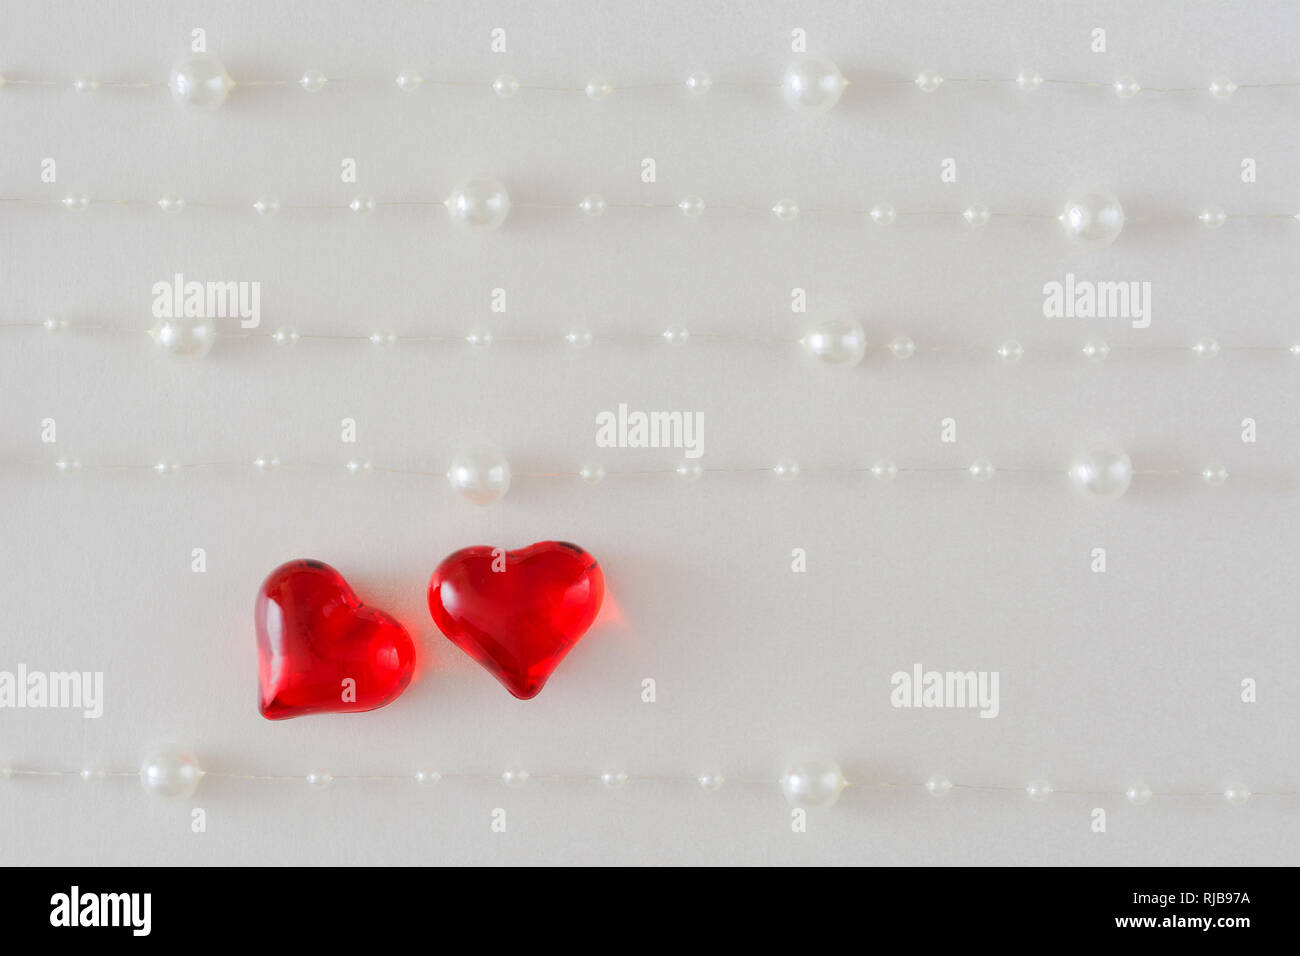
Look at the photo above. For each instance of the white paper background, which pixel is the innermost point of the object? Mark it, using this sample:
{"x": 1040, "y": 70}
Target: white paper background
{"x": 1106, "y": 679}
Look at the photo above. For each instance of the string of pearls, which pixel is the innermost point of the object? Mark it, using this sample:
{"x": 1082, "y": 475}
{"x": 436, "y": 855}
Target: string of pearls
{"x": 201, "y": 82}
{"x": 815, "y": 782}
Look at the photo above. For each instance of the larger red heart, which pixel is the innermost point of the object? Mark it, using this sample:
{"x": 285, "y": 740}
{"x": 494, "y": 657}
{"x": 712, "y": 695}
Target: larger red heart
{"x": 517, "y": 612}
{"x": 320, "y": 649}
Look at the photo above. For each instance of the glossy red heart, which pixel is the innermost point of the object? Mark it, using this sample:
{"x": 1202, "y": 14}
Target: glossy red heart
{"x": 320, "y": 649}
{"x": 517, "y": 612}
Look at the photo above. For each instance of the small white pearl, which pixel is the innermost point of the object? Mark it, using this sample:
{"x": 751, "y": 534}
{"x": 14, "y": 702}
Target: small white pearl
{"x": 938, "y": 786}
{"x": 841, "y": 342}
{"x": 85, "y": 84}
{"x": 185, "y": 337}
{"x": 1294, "y": 349}
{"x": 1138, "y": 794}
{"x": 1011, "y": 351}
{"x": 598, "y": 89}
{"x": 171, "y": 203}
{"x": 811, "y": 83}
{"x": 362, "y": 204}
{"x": 481, "y": 476}
{"x": 710, "y": 782}
{"x": 977, "y": 214}
{"x": 514, "y": 778}
{"x": 786, "y": 210}
{"x": 1094, "y": 218}
{"x": 505, "y": 86}
{"x": 1029, "y": 80}
{"x": 787, "y": 469}
{"x": 884, "y": 471}
{"x": 75, "y": 203}
{"x": 1102, "y": 470}
{"x": 383, "y": 339}
{"x": 699, "y": 83}
{"x": 1126, "y": 88}
{"x": 200, "y": 83}
{"x": 479, "y": 204}
{"x": 927, "y": 81}
{"x": 54, "y": 323}
{"x": 1206, "y": 348}
{"x": 319, "y": 779}
{"x": 285, "y": 336}
{"x": 592, "y": 205}
{"x": 1039, "y": 790}
{"x": 578, "y": 338}
{"x": 981, "y": 469}
{"x": 66, "y": 466}
{"x": 691, "y": 206}
{"x": 1236, "y": 794}
{"x": 478, "y": 338}
{"x": 902, "y": 347}
{"x": 409, "y": 80}
{"x": 1095, "y": 350}
{"x": 166, "y": 467}
{"x": 171, "y": 773}
{"x": 689, "y": 470}
{"x": 613, "y": 779}
{"x": 1222, "y": 88}
{"x": 1214, "y": 475}
{"x": 426, "y": 777}
{"x": 313, "y": 81}
{"x": 1212, "y": 217}
{"x": 92, "y": 775}
{"x": 266, "y": 463}
{"x": 676, "y": 335}
{"x": 883, "y": 214}
{"x": 265, "y": 206}
{"x": 814, "y": 783}
{"x": 592, "y": 473}
{"x": 359, "y": 467}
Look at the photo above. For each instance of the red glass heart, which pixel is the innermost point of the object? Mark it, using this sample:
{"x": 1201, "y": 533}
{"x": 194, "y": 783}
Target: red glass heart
{"x": 320, "y": 649}
{"x": 517, "y": 612}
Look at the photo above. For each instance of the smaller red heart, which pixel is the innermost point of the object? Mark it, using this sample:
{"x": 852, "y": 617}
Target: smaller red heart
{"x": 314, "y": 636}
{"x": 517, "y": 612}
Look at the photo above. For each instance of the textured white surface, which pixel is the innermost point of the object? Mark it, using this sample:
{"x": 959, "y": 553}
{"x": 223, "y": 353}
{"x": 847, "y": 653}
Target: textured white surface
{"x": 1106, "y": 679}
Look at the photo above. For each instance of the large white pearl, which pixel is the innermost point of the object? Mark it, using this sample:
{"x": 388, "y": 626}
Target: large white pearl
{"x": 1103, "y": 470}
{"x": 836, "y": 342}
{"x": 201, "y": 82}
{"x": 481, "y": 476}
{"x": 813, "y": 783}
{"x": 479, "y": 203}
{"x": 185, "y": 337}
{"x": 810, "y": 83}
{"x": 1094, "y": 217}
{"x": 171, "y": 773}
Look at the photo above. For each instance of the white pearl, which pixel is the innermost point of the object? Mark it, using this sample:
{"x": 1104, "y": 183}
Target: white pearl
{"x": 171, "y": 773}
{"x": 689, "y": 470}
{"x": 810, "y": 83}
{"x": 902, "y": 347}
{"x": 710, "y": 782}
{"x": 265, "y": 206}
{"x": 787, "y": 469}
{"x": 1212, "y": 217}
{"x": 1206, "y": 348}
{"x": 285, "y": 336}
{"x": 409, "y": 80}
{"x": 1029, "y": 80}
{"x": 613, "y": 779}
{"x": 54, "y": 323}
{"x": 1103, "y": 470}
{"x": 592, "y": 474}
{"x": 836, "y": 342}
{"x": 981, "y": 469}
{"x": 426, "y": 777}
{"x": 478, "y": 338}
{"x": 480, "y": 477}
{"x": 1236, "y": 794}
{"x": 1094, "y": 217}
{"x": 1138, "y": 794}
{"x": 976, "y": 215}
{"x": 505, "y": 85}
{"x": 359, "y": 467}
{"x": 1222, "y": 88}
{"x": 578, "y": 338}
{"x": 266, "y": 463}
{"x": 362, "y": 204}
{"x": 699, "y": 82}
{"x": 514, "y": 778}
{"x": 598, "y": 89}
{"x": 1011, "y": 351}
{"x": 1039, "y": 790}
{"x": 927, "y": 81}
{"x": 166, "y": 467}
{"x": 185, "y": 337}
{"x": 66, "y": 466}
{"x": 171, "y": 203}
{"x": 691, "y": 206}
{"x": 1214, "y": 475}
{"x": 786, "y": 210}
{"x": 75, "y": 203}
{"x": 1126, "y": 88}
{"x": 1095, "y": 350}
{"x": 938, "y": 786}
{"x": 319, "y": 779}
{"x": 883, "y": 214}
{"x": 201, "y": 82}
{"x": 676, "y": 335}
{"x": 814, "y": 783}
{"x": 1295, "y": 349}
{"x": 383, "y": 339}
{"x": 592, "y": 205}
{"x": 884, "y": 471}
{"x": 92, "y": 775}
{"x": 479, "y": 204}
{"x": 313, "y": 81}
